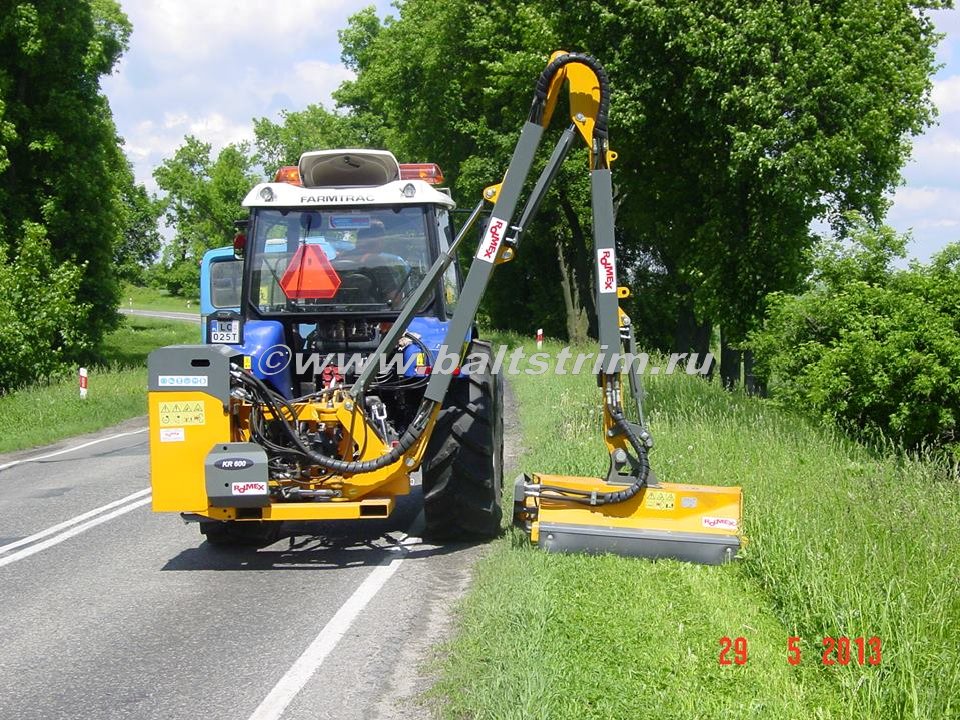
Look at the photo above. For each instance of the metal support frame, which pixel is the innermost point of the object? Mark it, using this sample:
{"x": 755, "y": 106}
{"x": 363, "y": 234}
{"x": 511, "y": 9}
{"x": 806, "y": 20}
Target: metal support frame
{"x": 484, "y": 262}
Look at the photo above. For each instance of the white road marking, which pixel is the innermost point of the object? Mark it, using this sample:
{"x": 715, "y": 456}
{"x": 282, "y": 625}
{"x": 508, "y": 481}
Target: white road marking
{"x": 73, "y": 531}
{"x": 72, "y": 521}
{"x": 70, "y": 449}
{"x": 312, "y": 658}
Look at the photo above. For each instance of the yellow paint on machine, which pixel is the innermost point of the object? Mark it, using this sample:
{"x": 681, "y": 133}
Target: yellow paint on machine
{"x": 178, "y": 452}
{"x": 670, "y": 507}
{"x": 346, "y": 510}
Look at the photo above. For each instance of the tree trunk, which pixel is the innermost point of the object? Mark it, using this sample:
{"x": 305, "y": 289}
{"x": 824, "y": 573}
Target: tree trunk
{"x": 580, "y": 262}
{"x": 683, "y": 338}
{"x": 577, "y": 323}
{"x": 752, "y": 384}
{"x": 702, "y": 335}
{"x": 729, "y": 363}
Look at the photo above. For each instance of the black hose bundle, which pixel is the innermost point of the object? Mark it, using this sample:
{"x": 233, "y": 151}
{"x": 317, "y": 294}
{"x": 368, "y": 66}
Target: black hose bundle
{"x": 546, "y": 77}
{"x": 586, "y": 497}
{"x": 278, "y": 405}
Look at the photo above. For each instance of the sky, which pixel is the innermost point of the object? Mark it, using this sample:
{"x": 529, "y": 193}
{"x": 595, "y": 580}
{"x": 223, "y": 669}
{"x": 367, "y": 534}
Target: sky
{"x": 208, "y": 68}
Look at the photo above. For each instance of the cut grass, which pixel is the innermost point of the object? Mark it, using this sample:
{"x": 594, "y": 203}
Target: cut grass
{"x": 147, "y": 298}
{"x": 842, "y": 543}
{"x": 43, "y": 414}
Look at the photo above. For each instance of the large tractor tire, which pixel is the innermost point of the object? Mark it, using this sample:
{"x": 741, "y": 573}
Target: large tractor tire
{"x": 233, "y": 533}
{"x": 463, "y": 465}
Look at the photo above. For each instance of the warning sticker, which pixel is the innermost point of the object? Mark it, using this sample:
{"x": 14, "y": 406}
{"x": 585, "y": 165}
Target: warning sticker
{"x": 181, "y": 413}
{"x": 660, "y": 500}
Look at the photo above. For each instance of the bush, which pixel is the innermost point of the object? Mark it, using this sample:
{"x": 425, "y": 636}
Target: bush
{"x": 874, "y": 348}
{"x": 181, "y": 279}
{"x": 41, "y": 323}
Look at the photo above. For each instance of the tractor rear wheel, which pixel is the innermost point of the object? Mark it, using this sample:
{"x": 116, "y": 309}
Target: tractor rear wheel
{"x": 463, "y": 466}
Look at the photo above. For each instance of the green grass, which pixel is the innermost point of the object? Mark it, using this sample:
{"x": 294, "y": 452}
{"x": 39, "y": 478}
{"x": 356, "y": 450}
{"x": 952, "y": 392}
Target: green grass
{"x": 842, "y": 543}
{"x": 117, "y": 390}
{"x": 147, "y": 298}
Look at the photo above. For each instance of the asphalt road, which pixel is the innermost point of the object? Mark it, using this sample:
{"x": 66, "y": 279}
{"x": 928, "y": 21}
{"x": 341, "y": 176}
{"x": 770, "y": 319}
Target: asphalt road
{"x": 116, "y": 612}
{"x": 163, "y": 314}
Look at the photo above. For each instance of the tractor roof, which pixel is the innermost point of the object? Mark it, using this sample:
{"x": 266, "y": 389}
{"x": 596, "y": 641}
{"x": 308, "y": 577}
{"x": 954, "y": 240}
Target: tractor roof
{"x": 347, "y": 177}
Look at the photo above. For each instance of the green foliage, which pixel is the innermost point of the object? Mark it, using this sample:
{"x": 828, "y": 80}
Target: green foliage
{"x": 48, "y": 412}
{"x": 42, "y": 326}
{"x": 141, "y": 242}
{"x": 314, "y": 128}
{"x": 736, "y": 125}
{"x": 60, "y": 162}
{"x": 875, "y": 348}
{"x": 202, "y": 202}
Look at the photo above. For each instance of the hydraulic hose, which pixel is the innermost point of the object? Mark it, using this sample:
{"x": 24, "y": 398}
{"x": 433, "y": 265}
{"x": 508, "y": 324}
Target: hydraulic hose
{"x": 546, "y": 77}
{"x": 584, "y": 497}
{"x": 409, "y": 438}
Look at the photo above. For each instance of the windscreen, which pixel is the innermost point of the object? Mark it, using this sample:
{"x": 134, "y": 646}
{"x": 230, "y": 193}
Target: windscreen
{"x": 337, "y": 260}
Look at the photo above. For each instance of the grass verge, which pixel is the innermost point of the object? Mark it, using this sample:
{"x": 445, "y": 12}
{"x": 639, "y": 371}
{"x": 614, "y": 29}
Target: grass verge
{"x": 148, "y": 298}
{"x": 43, "y": 414}
{"x": 842, "y": 543}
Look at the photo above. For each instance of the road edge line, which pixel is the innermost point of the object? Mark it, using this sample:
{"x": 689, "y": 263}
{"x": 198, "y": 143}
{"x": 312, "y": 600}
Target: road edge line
{"x": 304, "y": 667}
{"x": 64, "y": 451}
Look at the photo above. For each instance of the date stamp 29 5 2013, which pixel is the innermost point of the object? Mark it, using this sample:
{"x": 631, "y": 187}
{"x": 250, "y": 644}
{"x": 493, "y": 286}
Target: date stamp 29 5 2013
{"x": 834, "y": 650}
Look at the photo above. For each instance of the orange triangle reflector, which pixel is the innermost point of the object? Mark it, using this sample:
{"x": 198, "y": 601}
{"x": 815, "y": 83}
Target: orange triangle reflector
{"x": 310, "y": 275}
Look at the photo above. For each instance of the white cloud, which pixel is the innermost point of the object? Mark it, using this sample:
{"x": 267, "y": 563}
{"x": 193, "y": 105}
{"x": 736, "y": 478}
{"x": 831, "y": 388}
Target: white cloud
{"x": 931, "y": 214}
{"x": 910, "y": 199}
{"x": 219, "y": 130}
{"x": 185, "y": 32}
{"x": 208, "y": 68}
{"x": 946, "y": 94}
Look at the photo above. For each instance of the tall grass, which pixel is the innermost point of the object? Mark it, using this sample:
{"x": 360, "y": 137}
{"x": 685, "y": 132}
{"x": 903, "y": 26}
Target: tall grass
{"x": 843, "y": 542}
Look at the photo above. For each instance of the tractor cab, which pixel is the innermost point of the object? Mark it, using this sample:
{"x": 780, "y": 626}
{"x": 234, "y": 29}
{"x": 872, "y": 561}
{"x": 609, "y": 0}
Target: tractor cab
{"x": 333, "y": 251}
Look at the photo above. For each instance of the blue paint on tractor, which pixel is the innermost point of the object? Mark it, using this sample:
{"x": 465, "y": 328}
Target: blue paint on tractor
{"x": 270, "y": 358}
{"x": 207, "y": 306}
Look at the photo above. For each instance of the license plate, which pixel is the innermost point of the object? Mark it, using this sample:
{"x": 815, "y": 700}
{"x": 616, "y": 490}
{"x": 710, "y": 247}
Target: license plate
{"x": 225, "y": 331}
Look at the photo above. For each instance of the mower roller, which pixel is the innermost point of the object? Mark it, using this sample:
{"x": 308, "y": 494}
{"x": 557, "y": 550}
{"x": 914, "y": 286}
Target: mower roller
{"x": 351, "y": 251}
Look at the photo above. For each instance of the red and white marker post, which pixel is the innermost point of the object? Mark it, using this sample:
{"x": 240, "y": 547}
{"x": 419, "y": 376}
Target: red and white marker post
{"x": 83, "y": 383}
{"x": 539, "y": 338}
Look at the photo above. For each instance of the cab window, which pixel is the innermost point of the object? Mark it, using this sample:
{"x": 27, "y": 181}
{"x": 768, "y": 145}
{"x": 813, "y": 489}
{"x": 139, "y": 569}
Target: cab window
{"x": 225, "y": 280}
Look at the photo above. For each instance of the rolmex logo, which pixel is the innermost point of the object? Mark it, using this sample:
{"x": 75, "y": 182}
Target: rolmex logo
{"x": 607, "y": 269}
{"x": 491, "y": 240}
{"x": 249, "y": 488}
{"x": 718, "y": 522}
